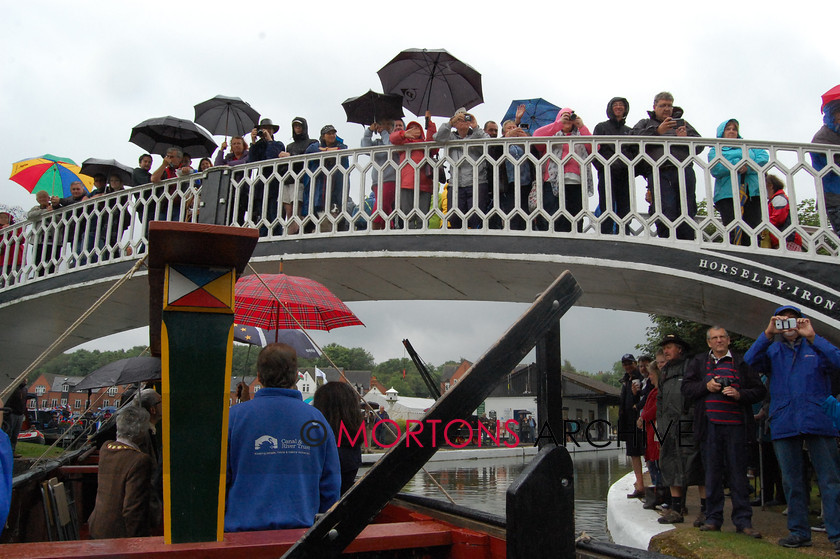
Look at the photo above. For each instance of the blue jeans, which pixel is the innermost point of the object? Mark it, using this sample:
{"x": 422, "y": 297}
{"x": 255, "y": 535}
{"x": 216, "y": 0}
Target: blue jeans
{"x": 826, "y": 462}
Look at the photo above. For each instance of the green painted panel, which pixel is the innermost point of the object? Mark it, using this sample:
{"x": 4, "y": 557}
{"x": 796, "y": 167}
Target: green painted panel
{"x": 198, "y": 390}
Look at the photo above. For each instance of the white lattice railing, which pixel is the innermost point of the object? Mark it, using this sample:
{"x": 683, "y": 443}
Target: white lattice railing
{"x": 332, "y": 193}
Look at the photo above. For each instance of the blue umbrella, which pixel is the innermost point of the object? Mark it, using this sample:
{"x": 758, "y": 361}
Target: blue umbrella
{"x": 257, "y": 336}
{"x": 538, "y": 112}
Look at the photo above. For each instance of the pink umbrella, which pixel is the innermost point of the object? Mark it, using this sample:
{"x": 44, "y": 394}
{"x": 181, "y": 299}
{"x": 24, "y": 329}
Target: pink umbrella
{"x": 832, "y": 94}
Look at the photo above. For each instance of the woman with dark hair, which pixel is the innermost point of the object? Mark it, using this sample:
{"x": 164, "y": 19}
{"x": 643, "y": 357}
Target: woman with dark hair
{"x": 204, "y": 164}
{"x": 340, "y": 405}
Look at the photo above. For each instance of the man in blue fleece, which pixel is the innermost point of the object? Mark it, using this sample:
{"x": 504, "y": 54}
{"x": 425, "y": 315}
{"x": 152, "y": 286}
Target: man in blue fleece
{"x": 797, "y": 362}
{"x": 6, "y": 465}
{"x": 282, "y": 458}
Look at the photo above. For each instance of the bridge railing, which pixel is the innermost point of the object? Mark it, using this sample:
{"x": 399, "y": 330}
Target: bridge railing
{"x": 518, "y": 186}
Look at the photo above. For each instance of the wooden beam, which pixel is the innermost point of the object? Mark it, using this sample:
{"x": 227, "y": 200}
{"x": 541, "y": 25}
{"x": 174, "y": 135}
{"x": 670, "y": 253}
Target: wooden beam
{"x": 338, "y": 527}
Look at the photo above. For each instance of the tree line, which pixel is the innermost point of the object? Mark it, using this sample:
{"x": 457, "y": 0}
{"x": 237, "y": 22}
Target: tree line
{"x": 399, "y": 373}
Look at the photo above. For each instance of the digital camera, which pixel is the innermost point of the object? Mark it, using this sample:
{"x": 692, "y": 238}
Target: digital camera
{"x": 785, "y": 323}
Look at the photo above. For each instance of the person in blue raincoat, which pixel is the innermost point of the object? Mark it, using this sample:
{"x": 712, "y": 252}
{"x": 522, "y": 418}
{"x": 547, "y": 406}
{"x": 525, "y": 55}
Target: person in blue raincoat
{"x": 829, "y": 133}
{"x": 6, "y": 464}
{"x": 798, "y": 363}
{"x": 329, "y": 141}
{"x": 746, "y": 189}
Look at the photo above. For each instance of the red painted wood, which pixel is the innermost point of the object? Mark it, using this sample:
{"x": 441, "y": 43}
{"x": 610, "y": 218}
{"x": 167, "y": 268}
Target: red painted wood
{"x": 83, "y": 469}
{"x": 467, "y": 544}
{"x": 253, "y": 545}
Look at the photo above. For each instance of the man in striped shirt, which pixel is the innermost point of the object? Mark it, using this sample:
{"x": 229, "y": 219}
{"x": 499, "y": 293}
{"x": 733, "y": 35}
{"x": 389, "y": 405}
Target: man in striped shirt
{"x": 724, "y": 387}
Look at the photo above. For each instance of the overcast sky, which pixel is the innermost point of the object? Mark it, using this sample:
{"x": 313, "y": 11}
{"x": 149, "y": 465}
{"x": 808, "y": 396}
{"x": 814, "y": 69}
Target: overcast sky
{"x": 76, "y": 76}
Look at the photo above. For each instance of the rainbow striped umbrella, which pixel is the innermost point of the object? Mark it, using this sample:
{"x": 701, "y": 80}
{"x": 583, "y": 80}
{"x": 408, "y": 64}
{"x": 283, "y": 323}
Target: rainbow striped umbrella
{"x": 50, "y": 173}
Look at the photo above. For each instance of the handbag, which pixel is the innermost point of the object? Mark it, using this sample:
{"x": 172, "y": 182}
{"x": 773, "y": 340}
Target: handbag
{"x": 532, "y": 198}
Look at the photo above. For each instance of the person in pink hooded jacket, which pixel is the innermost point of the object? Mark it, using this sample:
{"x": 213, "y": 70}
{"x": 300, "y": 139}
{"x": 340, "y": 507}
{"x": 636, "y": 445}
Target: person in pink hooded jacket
{"x": 567, "y": 123}
{"x": 422, "y": 175}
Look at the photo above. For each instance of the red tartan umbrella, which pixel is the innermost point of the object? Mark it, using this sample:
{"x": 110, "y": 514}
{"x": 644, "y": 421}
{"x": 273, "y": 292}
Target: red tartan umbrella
{"x": 269, "y": 301}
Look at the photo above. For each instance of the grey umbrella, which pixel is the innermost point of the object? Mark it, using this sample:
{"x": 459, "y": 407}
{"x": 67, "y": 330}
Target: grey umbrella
{"x": 230, "y": 116}
{"x": 433, "y": 80}
{"x": 107, "y": 167}
{"x": 124, "y": 371}
{"x": 157, "y": 135}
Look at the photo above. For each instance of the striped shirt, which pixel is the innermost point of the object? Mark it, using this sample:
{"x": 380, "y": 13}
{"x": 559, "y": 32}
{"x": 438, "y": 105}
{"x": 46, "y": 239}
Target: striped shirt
{"x": 719, "y": 407}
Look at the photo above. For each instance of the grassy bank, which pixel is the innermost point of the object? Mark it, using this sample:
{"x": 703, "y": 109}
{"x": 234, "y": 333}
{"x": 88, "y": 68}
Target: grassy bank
{"x": 31, "y": 450}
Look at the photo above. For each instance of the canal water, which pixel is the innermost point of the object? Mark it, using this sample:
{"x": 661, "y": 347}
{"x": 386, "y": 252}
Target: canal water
{"x": 482, "y": 484}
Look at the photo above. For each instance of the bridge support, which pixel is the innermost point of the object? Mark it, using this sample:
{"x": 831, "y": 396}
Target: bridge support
{"x": 198, "y": 266}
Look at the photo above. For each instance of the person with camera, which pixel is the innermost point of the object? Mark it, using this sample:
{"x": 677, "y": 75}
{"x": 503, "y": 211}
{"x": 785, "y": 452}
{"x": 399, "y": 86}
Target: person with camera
{"x": 386, "y": 197}
{"x": 723, "y": 388}
{"x": 264, "y": 147}
{"x": 798, "y": 363}
{"x": 570, "y": 177}
{"x": 464, "y": 126}
{"x": 666, "y": 120}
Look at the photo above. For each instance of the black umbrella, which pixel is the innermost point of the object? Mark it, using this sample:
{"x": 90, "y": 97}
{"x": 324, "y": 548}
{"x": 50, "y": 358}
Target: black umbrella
{"x": 157, "y": 135}
{"x": 433, "y": 80}
{"x": 373, "y": 107}
{"x": 107, "y": 167}
{"x": 124, "y": 371}
{"x": 228, "y": 116}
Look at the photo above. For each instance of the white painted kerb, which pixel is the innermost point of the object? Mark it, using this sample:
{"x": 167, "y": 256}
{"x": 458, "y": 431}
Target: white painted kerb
{"x": 629, "y": 524}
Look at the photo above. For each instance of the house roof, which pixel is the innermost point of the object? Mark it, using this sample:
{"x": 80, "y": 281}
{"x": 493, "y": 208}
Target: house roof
{"x": 249, "y": 380}
{"x": 591, "y": 385}
{"x": 524, "y": 381}
{"x": 333, "y": 374}
{"x": 449, "y": 370}
{"x": 59, "y": 381}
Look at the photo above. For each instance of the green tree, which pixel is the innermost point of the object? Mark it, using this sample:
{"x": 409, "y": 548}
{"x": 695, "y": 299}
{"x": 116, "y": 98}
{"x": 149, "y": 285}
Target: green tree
{"x": 82, "y": 362}
{"x": 244, "y": 360}
{"x": 356, "y": 358}
{"x": 693, "y": 333}
{"x": 390, "y": 373}
{"x": 612, "y": 377}
{"x": 807, "y": 212}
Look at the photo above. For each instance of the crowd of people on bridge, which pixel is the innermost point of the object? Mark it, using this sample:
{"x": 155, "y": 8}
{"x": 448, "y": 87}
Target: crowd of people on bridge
{"x": 717, "y": 418}
{"x": 496, "y": 183}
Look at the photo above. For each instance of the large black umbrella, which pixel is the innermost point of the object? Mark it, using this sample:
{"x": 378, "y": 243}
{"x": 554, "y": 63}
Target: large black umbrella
{"x": 107, "y": 167}
{"x": 157, "y": 135}
{"x": 124, "y": 371}
{"x": 433, "y": 80}
{"x": 259, "y": 337}
{"x": 373, "y": 107}
{"x": 228, "y": 116}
